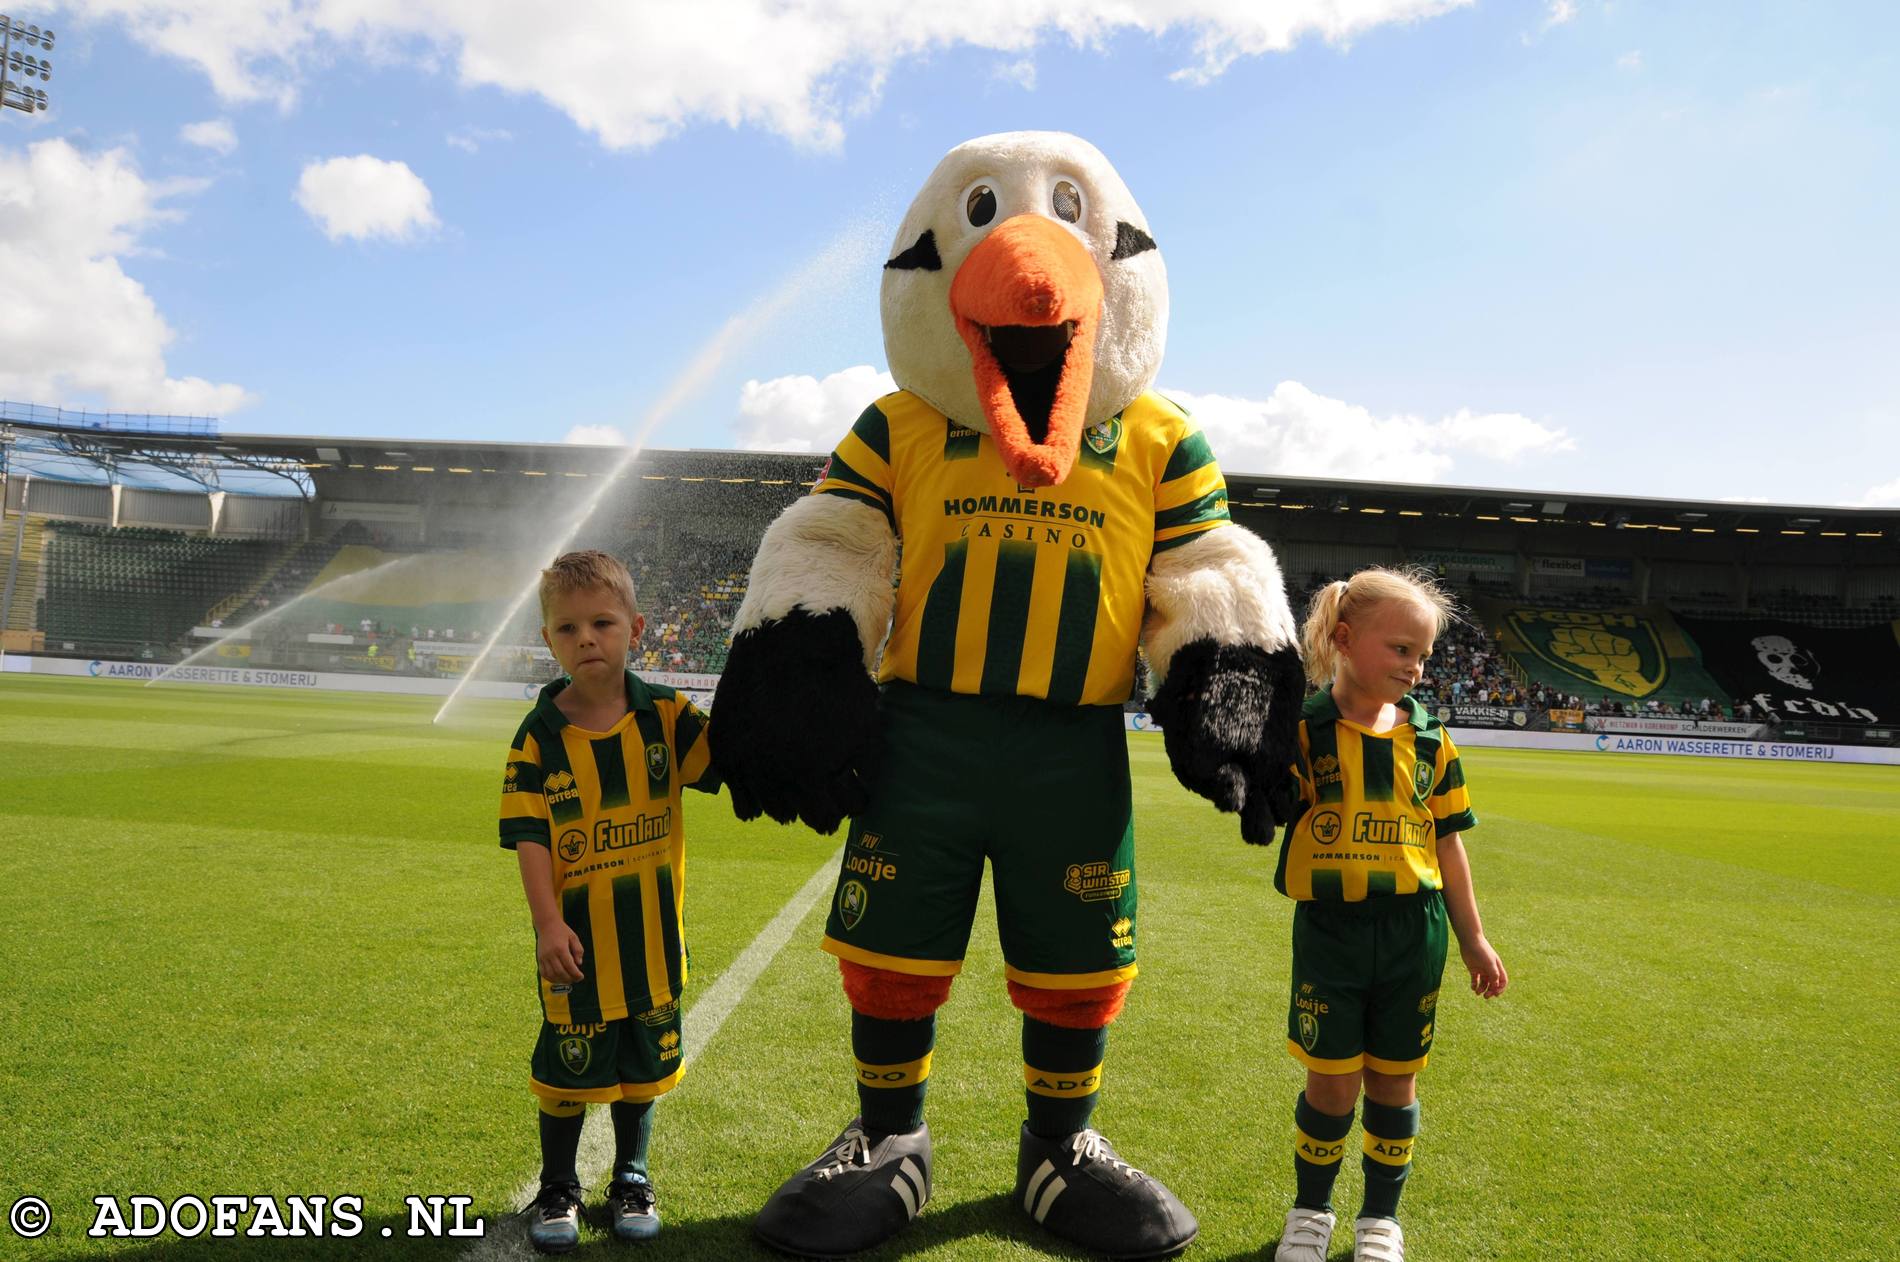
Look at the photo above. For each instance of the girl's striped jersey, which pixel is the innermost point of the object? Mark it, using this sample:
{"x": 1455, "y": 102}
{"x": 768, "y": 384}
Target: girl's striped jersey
{"x": 1373, "y": 805}
{"x": 1013, "y": 591}
{"x": 607, "y": 806}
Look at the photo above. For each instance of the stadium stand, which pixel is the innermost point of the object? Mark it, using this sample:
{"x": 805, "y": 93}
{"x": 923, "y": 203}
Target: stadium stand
{"x": 1679, "y": 590}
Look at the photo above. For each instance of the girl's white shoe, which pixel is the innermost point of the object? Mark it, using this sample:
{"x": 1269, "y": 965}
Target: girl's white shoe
{"x": 1377, "y": 1240}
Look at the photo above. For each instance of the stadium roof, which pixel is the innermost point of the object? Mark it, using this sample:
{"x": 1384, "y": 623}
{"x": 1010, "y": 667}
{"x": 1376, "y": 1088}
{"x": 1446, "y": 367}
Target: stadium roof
{"x": 358, "y": 469}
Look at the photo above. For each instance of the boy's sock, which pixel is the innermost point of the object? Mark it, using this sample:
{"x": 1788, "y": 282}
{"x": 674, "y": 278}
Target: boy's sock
{"x": 560, "y": 1141}
{"x": 1318, "y": 1145}
{"x": 1062, "y": 1076}
{"x": 633, "y": 1130}
{"x": 893, "y": 1067}
{"x": 1389, "y": 1132}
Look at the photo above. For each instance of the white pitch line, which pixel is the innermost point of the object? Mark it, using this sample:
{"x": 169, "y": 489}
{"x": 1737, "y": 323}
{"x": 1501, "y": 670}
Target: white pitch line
{"x": 508, "y": 1239}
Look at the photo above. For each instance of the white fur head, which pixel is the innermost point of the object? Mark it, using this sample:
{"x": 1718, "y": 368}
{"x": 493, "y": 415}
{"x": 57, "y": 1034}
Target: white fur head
{"x": 1025, "y": 173}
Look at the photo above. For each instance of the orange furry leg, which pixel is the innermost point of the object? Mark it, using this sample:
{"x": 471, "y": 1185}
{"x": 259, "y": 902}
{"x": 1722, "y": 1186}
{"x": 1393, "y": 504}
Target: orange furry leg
{"x": 889, "y": 996}
{"x": 1089, "y": 1009}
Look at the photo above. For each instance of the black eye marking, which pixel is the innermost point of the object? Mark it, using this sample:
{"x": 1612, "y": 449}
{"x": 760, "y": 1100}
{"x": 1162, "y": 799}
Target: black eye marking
{"x": 1130, "y": 240}
{"x": 922, "y": 255}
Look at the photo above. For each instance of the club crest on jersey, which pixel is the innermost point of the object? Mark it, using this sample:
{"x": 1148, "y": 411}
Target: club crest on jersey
{"x": 1101, "y": 436}
{"x": 577, "y": 1054}
{"x": 1309, "y": 1030}
{"x": 573, "y": 845}
{"x": 656, "y": 760}
{"x": 852, "y": 897}
{"x": 1422, "y": 779}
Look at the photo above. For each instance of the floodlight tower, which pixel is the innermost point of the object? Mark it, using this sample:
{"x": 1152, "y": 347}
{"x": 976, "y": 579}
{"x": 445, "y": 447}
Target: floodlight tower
{"x": 19, "y": 92}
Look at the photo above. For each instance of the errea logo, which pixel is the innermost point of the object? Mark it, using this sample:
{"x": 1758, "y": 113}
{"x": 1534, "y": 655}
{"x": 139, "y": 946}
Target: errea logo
{"x": 1121, "y": 933}
{"x": 560, "y": 787}
{"x": 669, "y": 1045}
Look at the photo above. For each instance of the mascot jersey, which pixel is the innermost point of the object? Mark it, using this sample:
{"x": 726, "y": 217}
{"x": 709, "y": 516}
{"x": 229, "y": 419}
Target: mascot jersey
{"x": 1009, "y": 591}
{"x": 1373, "y": 806}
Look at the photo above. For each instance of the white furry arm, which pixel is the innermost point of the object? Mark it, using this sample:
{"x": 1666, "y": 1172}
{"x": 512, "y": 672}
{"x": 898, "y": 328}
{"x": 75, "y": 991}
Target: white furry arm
{"x": 1223, "y": 585}
{"x": 825, "y": 552}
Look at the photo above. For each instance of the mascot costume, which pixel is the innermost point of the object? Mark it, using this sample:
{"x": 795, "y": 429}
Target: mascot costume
{"x": 1053, "y": 515}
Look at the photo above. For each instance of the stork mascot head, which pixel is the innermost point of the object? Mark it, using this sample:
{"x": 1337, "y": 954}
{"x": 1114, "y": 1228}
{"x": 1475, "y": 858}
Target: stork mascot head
{"x": 1025, "y": 296}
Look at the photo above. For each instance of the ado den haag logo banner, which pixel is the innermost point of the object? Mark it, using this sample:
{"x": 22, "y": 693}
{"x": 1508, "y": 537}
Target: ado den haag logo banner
{"x": 1803, "y": 672}
{"x": 1617, "y": 650}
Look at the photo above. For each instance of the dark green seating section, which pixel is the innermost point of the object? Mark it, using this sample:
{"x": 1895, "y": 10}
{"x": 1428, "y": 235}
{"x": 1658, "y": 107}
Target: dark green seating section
{"x": 140, "y": 586}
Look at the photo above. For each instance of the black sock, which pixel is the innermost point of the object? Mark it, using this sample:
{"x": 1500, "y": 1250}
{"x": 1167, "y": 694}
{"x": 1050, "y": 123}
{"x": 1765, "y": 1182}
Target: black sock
{"x": 633, "y": 1131}
{"x": 1389, "y": 1133}
{"x": 1319, "y": 1143}
{"x": 893, "y": 1068}
{"x": 1062, "y": 1076}
{"x": 560, "y": 1146}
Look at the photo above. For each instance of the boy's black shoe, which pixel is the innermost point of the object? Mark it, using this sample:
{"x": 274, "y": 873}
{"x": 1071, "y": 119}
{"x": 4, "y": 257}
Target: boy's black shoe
{"x": 633, "y": 1211}
{"x": 554, "y": 1220}
{"x": 1081, "y": 1190}
{"x": 860, "y": 1192}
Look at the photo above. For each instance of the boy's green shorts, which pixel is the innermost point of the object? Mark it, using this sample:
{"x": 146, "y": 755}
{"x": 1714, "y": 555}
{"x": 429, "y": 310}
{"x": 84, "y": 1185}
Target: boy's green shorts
{"x": 1039, "y": 790}
{"x": 1365, "y": 983}
{"x": 635, "y": 1058}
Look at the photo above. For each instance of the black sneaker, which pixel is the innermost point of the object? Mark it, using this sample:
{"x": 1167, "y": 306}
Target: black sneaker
{"x": 1081, "y": 1190}
{"x": 860, "y": 1192}
{"x": 633, "y": 1211}
{"x": 554, "y": 1220}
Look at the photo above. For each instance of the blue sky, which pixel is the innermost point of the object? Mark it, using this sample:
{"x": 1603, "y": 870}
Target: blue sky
{"x": 1571, "y": 245}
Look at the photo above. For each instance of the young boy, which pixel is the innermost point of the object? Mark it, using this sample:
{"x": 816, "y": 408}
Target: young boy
{"x": 590, "y": 804}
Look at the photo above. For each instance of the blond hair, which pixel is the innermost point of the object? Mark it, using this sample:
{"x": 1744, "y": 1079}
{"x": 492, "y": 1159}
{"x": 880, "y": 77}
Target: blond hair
{"x": 1350, "y": 599}
{"x": 586, "y": 571}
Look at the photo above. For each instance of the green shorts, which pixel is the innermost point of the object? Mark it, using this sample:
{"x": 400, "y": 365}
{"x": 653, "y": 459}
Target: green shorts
{"x": 1039, "y": 790}
{"x": 1365, "y": 983}
{"x": 635, "y": 1058}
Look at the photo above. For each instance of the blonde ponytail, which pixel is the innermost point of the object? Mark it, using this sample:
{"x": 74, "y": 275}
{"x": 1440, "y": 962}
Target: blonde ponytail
{"x": 1348, "y": 600}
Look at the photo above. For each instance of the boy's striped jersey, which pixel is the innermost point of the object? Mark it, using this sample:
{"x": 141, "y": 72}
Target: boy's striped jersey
{"x": 607, "y": 806}
{"x": 1372, "y": 805}
{"x": 1013, "y": 591}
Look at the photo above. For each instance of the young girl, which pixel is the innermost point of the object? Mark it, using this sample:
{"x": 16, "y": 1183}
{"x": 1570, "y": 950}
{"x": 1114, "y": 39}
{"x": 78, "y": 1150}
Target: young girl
{"x": 1377, "y": 866}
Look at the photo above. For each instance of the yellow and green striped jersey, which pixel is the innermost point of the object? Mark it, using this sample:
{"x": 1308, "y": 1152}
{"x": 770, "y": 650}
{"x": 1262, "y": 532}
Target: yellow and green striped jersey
{"x": 1373, "y": 806}
{"x": 1012, "y": 591}
{"x": 607, "y": 806}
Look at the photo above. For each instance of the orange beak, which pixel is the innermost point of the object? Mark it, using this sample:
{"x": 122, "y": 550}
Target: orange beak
{"x": 1027, "y": 303}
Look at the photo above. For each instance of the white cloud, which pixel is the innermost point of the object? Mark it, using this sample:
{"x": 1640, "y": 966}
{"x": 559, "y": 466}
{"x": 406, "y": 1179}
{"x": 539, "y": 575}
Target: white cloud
{"x": 1303, "y": 434}
{"x": 471, "y": 139}
{"x": 633, "y": 74}
{"x": 73, "y": 321}
{"x": 1021, "y": 72}
{"x": 596, "y": 436}
{"x": 214, "y": 133}
{"x": 1560, "y": 11}
{"x": 365, "y": 197}
{"x": 1631, "y": 61}
{"x": 1886, "y": 495}
{"x": 801, "y": 413}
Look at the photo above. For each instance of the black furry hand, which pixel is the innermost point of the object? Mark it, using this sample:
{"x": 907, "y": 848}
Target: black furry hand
{"x": 794, "y": 722}
{"x": 1230, "y": 716}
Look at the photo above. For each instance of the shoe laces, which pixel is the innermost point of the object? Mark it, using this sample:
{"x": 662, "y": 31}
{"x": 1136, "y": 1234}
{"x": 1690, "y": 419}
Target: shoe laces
{"x": 632, "y": 1196}
{"x": 1092, "y": 1145}
{"x": 556, "y": 1201}
{"x": 854, "y": 1149}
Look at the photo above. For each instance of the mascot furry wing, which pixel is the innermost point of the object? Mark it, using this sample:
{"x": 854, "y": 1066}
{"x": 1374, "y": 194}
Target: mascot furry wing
{"x": 1054, "y": 515}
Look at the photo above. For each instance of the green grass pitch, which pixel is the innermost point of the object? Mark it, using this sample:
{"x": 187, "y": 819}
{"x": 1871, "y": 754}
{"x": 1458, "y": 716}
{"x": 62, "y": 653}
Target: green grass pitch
{"x": 265, "y": 943}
